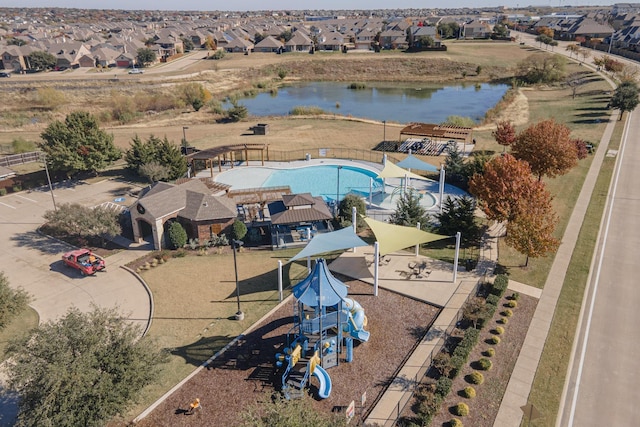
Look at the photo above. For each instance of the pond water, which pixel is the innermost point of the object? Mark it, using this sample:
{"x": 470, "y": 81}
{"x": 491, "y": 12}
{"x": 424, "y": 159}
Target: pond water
{"x": 378, "y": 101}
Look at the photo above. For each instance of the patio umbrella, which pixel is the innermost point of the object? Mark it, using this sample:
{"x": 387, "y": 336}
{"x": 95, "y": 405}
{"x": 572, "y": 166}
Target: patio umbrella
{"x": 329, "y": 242}
{"x": 392, "y": 238}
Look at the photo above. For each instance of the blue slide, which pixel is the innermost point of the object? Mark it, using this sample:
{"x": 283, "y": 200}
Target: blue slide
{"x": 324, "y": 382}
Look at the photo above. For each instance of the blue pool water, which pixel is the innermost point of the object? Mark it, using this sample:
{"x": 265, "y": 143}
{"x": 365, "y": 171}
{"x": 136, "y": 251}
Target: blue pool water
{"x": 322, "y": 181}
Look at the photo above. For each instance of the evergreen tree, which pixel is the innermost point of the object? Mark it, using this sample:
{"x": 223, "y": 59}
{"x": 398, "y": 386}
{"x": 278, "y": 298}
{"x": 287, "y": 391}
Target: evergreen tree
{"x": 177, "y": 235}
{"x": 458, "y": 215}
{"x": 159, "y": 151}
{"x": 409, "y": 211}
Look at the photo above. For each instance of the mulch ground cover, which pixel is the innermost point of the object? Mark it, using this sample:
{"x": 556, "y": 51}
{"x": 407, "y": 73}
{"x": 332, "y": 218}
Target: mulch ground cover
{"x": 243, "y": 374}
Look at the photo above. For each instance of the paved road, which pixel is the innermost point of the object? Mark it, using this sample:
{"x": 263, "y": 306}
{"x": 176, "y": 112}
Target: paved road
{"x": 33, "y": 261}
{"x": 600, "y": 387}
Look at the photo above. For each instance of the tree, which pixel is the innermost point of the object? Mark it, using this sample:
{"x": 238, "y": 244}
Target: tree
{"x": 188, "y": 44}
{"x": 145, "y": 56}
{"x": 474, "y": 310}
{"x": 574, "y": 81}
{"x": 541, "y": 69}
{"x": 345, "y": 207}
{"x": 547, "y": 147}
{"x": 154, "y": 171}
{"x": 505, "y": 181}
{"x": 625, "y": 97}
{"x": 80, "y": 370}
{"x": 237, "y": 112}
{"x": 285, "y": 36}
{"x": 531, "y": 232}
{"x": 500, "y": 30}
{"x": 505, "y": 134}
{"x": 454, "y": 166}
{"x": 239, "y": 229}
{"x": 448, "y": 30}
{"x": 76, "y": 220}
{"x": 156, "y": 150}
{"x": 12, "y": 301}
{"x": 177, "y": 235}
{"x": 194, "y": 94}
{"x": 280, "y": 412}
{"x": 573, "y": 48}
{"x": 458, "y": 216}
{"x": 210, "y": 44}
{"x": 409, "y": 212}
{"x": 40, "y": 60}
{"x": 78, "y": 145}
{"x": 258, "y": 37}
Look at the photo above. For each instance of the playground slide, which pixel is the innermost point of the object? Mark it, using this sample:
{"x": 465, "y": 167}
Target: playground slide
{"x": 357, "y": 320}
{"x": 324, "y": 382}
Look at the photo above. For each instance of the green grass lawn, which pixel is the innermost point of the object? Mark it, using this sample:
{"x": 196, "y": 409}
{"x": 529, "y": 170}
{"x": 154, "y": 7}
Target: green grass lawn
{"x": 26, "y": 321}
{"x": 195, "y": 301}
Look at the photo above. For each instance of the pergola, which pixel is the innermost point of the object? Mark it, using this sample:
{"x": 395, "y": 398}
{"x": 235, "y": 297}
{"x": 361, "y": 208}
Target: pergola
{"x": 228, "y": 153}
{"x": 438, "y": 131}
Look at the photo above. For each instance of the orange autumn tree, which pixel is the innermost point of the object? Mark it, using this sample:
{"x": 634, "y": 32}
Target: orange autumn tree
{"x": 547, "y": 147}
{"x": 501, "y": 186}
{"x": 505, "y": 134}
{"x": 531, "y": 231}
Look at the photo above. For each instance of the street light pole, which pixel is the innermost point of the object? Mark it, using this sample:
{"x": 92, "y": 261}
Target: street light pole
{"x": 46, "y": 169}
{"x": 338, "y": 191}
{"x": 184, "y": 135}
{"x": 235, "y": 244}
{"x": 384, "y": 131}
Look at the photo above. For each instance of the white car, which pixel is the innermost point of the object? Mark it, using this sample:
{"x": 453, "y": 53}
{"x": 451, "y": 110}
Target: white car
{"x": 135, "y": 71}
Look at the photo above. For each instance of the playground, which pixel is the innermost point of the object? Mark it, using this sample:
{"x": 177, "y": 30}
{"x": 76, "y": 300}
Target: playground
{"x": 247, "y": 371}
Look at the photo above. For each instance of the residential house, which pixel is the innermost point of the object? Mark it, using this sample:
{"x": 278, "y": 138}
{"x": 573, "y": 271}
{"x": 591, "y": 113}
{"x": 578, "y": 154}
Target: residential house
{"x": 239, "y": 45}
{"x": 393, "y": 39}
{"x": 192, "y": 204}
{"x": 586, "y": 29}
{"x": 476, "y": 30}
{"x": 269, "y": 44}
{"x": 126, "y": 60}
{"x": 365, "y": 37}
{"x": 168, "y": 47}
{"x": 300, "y": 42}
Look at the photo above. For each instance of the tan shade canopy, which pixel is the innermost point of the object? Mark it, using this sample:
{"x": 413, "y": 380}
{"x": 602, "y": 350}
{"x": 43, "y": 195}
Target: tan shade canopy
{"x": 392, "y": 238}
{"x": 393, "y": 171}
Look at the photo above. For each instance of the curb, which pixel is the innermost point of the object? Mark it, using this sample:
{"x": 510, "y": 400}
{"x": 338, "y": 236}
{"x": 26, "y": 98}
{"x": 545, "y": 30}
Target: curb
{"x": 146, "y": 288}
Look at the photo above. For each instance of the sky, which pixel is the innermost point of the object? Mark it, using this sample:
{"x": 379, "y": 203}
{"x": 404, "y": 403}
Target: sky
{"x": 245, "y": 5}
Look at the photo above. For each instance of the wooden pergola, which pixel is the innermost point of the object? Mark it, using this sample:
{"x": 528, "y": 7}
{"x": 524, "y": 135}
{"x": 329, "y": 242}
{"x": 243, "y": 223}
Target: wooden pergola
{"x": 228, "y": 153}
{"x": 438, "y": 132}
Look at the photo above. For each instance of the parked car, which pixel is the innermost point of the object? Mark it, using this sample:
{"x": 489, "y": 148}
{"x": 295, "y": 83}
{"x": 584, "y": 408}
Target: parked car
{"x": 84, "y": 260}
{"x": 135, "y": 71}
{"x": 4, "y": 74}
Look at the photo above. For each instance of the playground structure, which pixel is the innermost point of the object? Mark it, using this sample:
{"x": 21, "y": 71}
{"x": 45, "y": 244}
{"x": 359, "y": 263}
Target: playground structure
{"x": 325, "y": 324}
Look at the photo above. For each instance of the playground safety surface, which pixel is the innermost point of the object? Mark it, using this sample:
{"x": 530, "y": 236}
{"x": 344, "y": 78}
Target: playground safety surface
{"x": 246, "y": 372}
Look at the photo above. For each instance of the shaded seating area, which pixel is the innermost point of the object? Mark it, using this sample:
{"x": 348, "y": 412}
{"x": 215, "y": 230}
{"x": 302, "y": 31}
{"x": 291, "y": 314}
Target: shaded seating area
{"x": 227, "y": 154}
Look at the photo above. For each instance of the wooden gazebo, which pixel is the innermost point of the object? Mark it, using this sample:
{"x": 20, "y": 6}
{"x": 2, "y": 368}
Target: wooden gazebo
{"x": 227, "y": 153}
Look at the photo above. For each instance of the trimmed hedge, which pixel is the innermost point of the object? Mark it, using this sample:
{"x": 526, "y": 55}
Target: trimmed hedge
{"x": 443, "y": 386}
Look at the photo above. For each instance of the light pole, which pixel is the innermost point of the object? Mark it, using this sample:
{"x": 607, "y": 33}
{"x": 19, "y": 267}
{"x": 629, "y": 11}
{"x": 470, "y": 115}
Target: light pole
{"x": 46, "y": 169}
{"x": 384, "y": 131}
{"x": 338, "y": 191}
{"x": 235, "y": 245}
{"x": 184, "y": 136}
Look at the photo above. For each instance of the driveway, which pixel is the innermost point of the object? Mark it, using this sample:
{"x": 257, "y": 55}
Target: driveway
{"x": 32, "y": 261}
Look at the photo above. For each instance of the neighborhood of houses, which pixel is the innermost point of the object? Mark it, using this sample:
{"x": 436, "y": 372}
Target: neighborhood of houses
{"x": 115, "y": 43}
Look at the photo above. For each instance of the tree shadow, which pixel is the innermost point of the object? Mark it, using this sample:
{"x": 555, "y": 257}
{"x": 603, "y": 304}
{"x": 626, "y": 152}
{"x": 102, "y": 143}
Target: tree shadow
{"x": 260, "y": 283}
{"x": 44, "y": 244}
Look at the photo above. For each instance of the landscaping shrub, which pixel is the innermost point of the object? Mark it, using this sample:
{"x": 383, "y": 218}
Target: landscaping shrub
{"x": 499, "y": 330}
{"x": 494, "y": 340}
{"x": 475, "y": 378}
{"x": 177, "y": 235}
{"x": 507, "y": 313}
{"x": 490, "y": 352}
{"x": 484, "y": 364}
{"x": 442, "y": 363}
{"x": 17, "y": 188}
{"x": 500, "y": 285}
{"x": 469, "y": 392}
{"x": 461, "y": 409}
{"x": 3, "y": 191}
{"x": 443, "y": 386}
{"x": 493, "y": 300}
{"x": 457, "y": 362}
{"x": 357, "y": 86}
{"x": 512, "y": 304}
{"x": 454, "y": 422}
{"x": 503, "y": 320}
{"x": 515, "y": 296}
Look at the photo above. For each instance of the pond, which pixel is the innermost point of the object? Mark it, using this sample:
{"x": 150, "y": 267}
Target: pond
{"x": 378, "y": 101}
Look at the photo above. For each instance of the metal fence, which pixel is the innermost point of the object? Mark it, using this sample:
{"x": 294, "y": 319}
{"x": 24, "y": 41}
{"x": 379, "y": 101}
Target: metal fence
{"x": 20, "y": 159}
{"x": 326, "y": 153}
{"x": 414, "y": 382}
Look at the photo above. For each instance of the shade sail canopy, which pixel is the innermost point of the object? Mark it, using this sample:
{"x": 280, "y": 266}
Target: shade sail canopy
{"x": 394, "y": 171}
{"x": 412, "y": 162}
{"x": 392, "y": 238}
{"x": 320, "y": 288}
{"x": 329, "y": 242}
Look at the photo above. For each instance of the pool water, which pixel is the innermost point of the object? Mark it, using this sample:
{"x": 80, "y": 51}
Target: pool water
{"x": 323, "y": 181}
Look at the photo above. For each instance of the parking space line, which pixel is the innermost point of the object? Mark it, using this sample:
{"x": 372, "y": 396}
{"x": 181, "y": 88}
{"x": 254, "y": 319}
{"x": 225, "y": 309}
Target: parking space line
{"x": 26, "y": 198}
{"x": 9, "y": 206}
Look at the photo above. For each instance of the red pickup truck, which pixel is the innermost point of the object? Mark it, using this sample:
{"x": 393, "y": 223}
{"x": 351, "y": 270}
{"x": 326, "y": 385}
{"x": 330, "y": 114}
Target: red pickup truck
{"x": 84, "y": 260}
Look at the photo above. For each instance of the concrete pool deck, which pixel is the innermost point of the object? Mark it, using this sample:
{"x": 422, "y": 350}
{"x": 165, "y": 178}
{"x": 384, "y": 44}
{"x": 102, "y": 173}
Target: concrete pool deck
{"x": 255, "y": 175}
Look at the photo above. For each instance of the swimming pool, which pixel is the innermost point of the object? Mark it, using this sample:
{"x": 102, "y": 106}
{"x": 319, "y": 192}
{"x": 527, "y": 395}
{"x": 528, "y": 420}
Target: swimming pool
{"x": 319, "y": 180}
{"x": 322, "y": 180}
